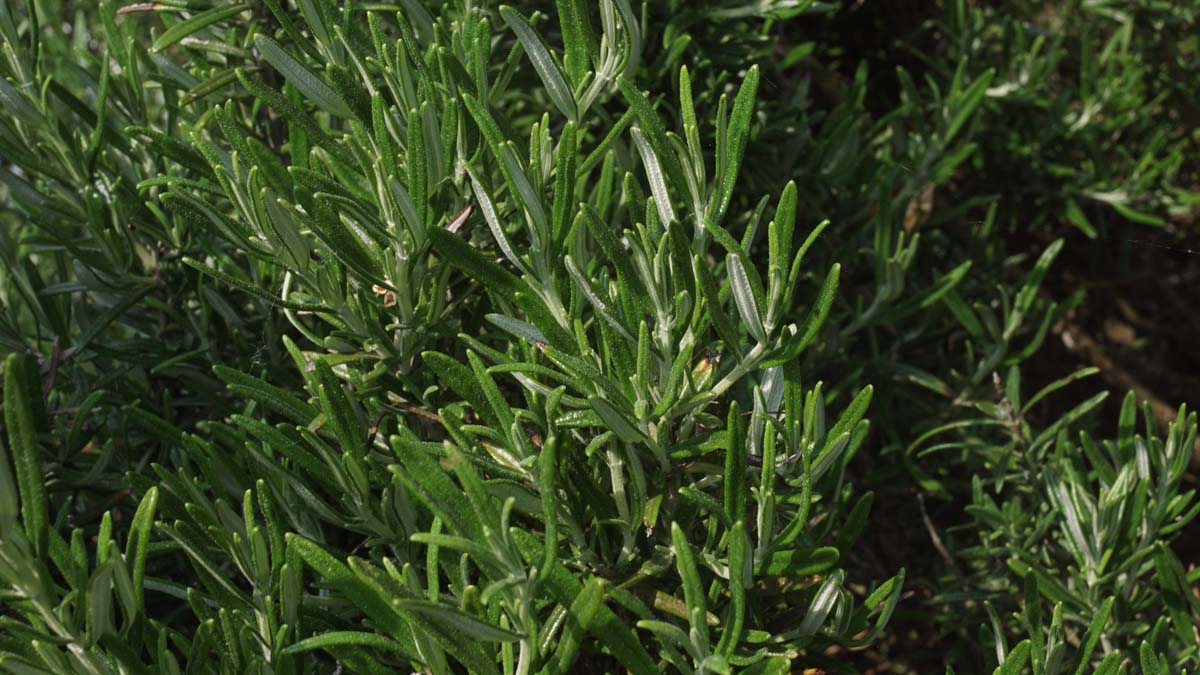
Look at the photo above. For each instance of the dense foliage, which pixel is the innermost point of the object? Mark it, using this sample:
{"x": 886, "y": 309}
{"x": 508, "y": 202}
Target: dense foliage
{"x": 699, "y": 336}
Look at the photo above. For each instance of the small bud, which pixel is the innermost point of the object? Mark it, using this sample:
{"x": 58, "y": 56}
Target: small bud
{"x": 389, "y": 298}
{"x": 705, "y": 368}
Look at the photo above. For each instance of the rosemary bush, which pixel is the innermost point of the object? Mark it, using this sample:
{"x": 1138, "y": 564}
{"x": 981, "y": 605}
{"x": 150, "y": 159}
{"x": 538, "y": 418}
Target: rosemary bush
{"x": 450, "y": 336}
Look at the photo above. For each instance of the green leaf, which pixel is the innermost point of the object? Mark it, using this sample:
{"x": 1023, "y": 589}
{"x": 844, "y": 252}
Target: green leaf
{"x": 735, "y": 147}
{"x": 138, "y": 545}
{"x": 305, "y": 81}
{"x": 17, "y": 105}
{"x": 798, "y": 342}
{"x": 1110, "y": 665}
{"x": 339, "y": 576}
{"x": 1015, "y": 662}
{"x": 593, "y": 296}
{"x": 315, "y": 13}
{"x": 691, "y": 127}
{"x": 667, "y": 632}
{"x": 794, "y": 272}
{"x": 474, "y": 264}
{"x": 196, "y": 24}
{"x": 1078, "y": 218}
{"x": 967, "y": 102}
{"x": 351, "y": 90}
{"x": 651, "y": 127}
{"x": 1033, "y": 621}
{"x": 248, "y": 386}
{"x": 743, "y": 296}
{"x": 712, "y": 301}
{"x": 339, "y": 408}
{"x": 454, "y": 618}
{"x": 462, "y": 381}
{"x": 564, "y": 185}
{"x": 345, "y": 244}
{"x": 582, "y": 612}
{"x": 502, "y": 412}
{"x": 547, "y": 488}
{"x": 739, "y": 562}
{"x": 511, "y": 164}
{"x": 169, "y": 147}
{"x": 479, "y": 551}
{"x": 775, "y": 665}
{"x": 602, "y": 149}
{"x": 571, "y": 15}
{"x": 1149, "y": 660}
{"x": 693, "y": 589}
{"x": 9, "y": 508}
{"x": 734, "y": 484}
{"x": 431, "y": 485}
{"x": 1176, "y": 590}
{"x": 1033, "y": 282}
{"x": 299, "y": 121}
{"x": 849, "y": 419}
{"x": 606, "y": 626}
{"x": 99, "y": 601}
{"x": 654, "y": 173}
{"x": 493, "y": 222}
{"x": 801, "y": 562}
{"x": 610, "y": 243}
{"x": 418, "y": 166}
{"x": 110, "y": 315}
{"x": 251, "y": 288}
{"x": 781, "y": 229}
{"x": 284, "y": 17}
{"x": 1135, "y": 216}
{"x": 852, "y": 528}
{"x": 822, "y": 604}
{"x": 342, "y": 638}
{"x": 556, "y": 85}
{"x": 517, "y": 328}
{"x": 616, "y": 421}
{"x": 19, "y": 405}
{"x": 1092, "y": 637}
{"x": 884, "y": 599}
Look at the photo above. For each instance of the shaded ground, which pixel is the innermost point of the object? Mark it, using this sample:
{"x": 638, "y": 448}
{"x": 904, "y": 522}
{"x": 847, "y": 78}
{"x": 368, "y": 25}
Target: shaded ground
{"x": 1139, "y": 322}
{"x": 1136, "y": 319}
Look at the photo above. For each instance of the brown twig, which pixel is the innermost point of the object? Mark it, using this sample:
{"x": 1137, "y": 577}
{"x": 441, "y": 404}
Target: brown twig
{"x": 1075, "y": 339}
{"x": 1078, "y": 341}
